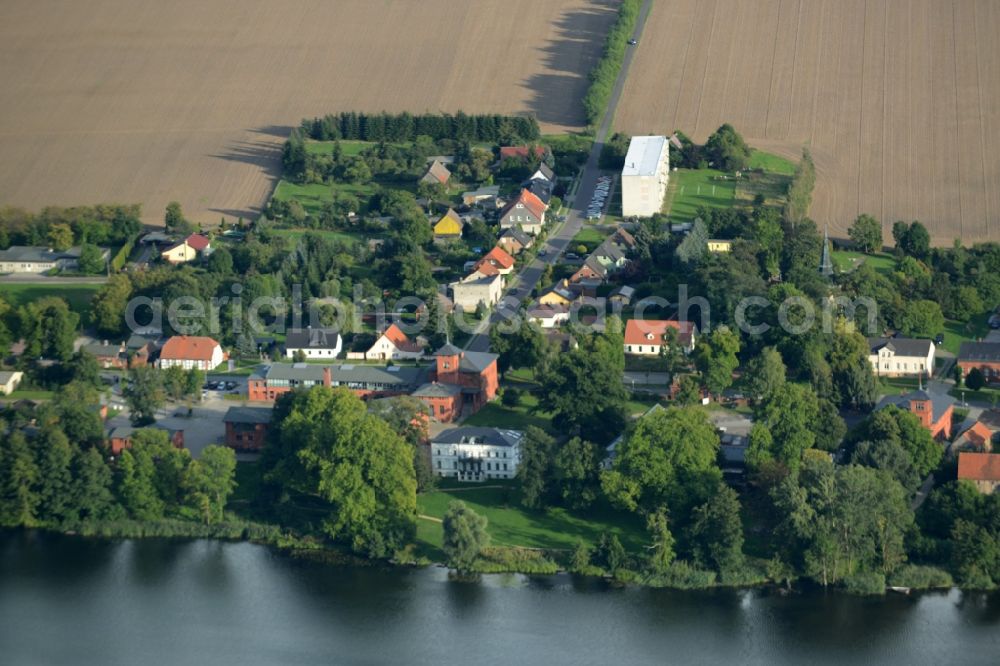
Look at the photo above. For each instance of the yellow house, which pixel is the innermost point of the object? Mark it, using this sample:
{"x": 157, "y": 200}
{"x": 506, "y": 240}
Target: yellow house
{"x": 449, "y": 226}
{"x": 559, "y": 294}
{"x": 179, "y": 254}
{"x": 716, "y": 245}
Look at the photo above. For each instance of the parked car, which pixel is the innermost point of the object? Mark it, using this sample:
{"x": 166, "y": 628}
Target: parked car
{"x": 939, "y": 339}
{"x": 994, "y": 321}
{"x": 632, "y": 42}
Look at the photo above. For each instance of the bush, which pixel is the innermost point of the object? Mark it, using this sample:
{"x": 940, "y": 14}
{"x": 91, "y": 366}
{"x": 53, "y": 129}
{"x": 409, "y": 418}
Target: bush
{"x": 605, "y": 72}
{"x": 748, "y": 574}
{"x": 514, "y": 560}
{"x": 920, "y": 577}
{"x": 865, "y": 582}
{"x": 683, "y": 576}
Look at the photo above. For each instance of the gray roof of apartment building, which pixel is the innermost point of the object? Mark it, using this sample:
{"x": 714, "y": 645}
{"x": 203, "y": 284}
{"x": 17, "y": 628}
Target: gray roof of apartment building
{"x": 939, "y": 402}
{"x": 37, "y": 254}
{"x": 379, "y": 374}
{"x": 488, "y": 436}
{"x": 476, "y": 361}
{"x": 290, "y": 371}
{"x": 979, "y": 351}
{"x": 436, "y": 390}
{"x": 902, "y": 346}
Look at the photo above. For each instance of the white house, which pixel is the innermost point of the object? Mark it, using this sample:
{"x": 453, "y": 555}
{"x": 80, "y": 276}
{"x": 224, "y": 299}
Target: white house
{"x": 187, "y": 250}
{"x": 9, "y": 381}
{"x": 191, "y": 351}
{"x": 645, "y": 337}
{"x": 475, "y": 289}
{"x": 30, "y": 259}
{"x": 645, "y": 175}
{"x": 549, "y": 316}
{"x": 901, "y": 357}
{"x": 476, "y": 454}
{"x": 394, "y": 344}
{"x": 323, "y": 343}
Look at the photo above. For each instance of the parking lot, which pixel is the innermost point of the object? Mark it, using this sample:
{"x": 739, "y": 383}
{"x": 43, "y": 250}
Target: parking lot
{"x": 599, "y": 200}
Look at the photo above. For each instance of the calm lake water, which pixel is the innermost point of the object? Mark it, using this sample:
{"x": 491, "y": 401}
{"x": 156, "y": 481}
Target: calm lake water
{"x": 65, "y": 600}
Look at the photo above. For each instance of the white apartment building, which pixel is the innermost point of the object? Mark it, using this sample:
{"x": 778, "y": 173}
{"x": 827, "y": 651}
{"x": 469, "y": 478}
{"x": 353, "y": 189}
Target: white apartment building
{"x": 476, "y": 454}
{"x": 645, "y": 176}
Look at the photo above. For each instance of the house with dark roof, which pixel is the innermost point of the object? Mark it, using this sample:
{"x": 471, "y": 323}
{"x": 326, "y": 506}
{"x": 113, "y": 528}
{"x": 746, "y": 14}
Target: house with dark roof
{"x": 982, "y": 469}
{"x": 982, "y": 355}
{"x": 513, "y": 240}
{"x": 120, "y": 438}
{"x": 526, "y": 211}
{"x": 269, "y": 382}
{"x": 313, "y": 343}
{"x": 485, "y": 196}
{"x": 31, "y": 259}
{"x": 476, "y": 454}
{"x": 108, "y": 355}
{"x": 246, "y": 427}
{"x": 548, "y": 316}
{"x": 901, "y": 357}
{"x": 935, "y": 412}
{"x": 543, "y": 172}
{"x": 444, "y": 401}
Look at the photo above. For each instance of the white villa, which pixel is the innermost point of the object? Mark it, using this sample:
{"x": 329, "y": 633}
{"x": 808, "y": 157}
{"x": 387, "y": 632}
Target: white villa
{"x": 476, "y": 454}
{"x": 901, "y": 357}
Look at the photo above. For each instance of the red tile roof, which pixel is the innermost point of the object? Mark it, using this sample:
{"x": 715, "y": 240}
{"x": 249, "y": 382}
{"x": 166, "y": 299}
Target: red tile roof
{"x": 519, "y": 152}
{"x": 197, "y": 242}
{"x": 534, "y": 205}
{"x": 399, "y": 339}
{"x": 498, "y": 257}
{"x": 979, "y": 434}
{"x": 188, "y": 347}
{"x": 637, "y": 331}
{"x": 979, "y": 466}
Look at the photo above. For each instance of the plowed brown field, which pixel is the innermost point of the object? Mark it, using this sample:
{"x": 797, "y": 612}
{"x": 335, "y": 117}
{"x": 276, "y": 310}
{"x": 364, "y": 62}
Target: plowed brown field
{"x": 899, "y": 100}
{"x": 151, "y": 100}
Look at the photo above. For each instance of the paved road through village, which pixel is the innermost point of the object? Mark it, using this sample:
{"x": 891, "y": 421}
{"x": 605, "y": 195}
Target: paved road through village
{"x": 528, "y": 278}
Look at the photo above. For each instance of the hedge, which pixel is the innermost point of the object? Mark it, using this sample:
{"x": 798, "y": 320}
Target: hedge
{"x": 118, "y": 262}
{"x": 605, "y": 72}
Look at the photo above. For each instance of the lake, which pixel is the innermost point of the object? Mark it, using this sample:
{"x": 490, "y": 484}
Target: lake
{"x": 66, "y": 600}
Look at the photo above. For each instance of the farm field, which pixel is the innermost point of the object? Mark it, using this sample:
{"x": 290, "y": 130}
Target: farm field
{"x": 896, "y": 99}
{"x": 145, "y": 101}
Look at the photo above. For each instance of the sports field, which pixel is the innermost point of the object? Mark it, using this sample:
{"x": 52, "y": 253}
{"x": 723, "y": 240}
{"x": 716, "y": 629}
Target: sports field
{"x": 150, "y": 101}
{"x": 897, "y": 99}
{"x": 689, "y": 190}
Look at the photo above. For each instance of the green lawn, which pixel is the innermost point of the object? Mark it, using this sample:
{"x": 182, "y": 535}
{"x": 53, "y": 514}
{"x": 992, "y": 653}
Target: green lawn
{"x": 510, "y": 524}
{"x": 768, "y": 162}
{"x": 955, "y": 333}
{"x": 30, "y": 394}
{"x": 589, "y": 235}
{"x": 497, "y": 416}
{"x": 78, "y": 296}
{"x": 848, "y": 260}
{"x": 348, "y": 148}
{"x": 296, "y": 234}
{"x": 314, "y": 195}
{"x": 691, "y": 189}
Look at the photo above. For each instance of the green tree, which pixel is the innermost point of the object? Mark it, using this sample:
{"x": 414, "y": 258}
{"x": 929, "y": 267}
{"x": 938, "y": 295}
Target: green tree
{"x": 326, "y": 444}
{"x": 60, "y": 237}
{"x": 576, "y": 472}
{"x": 465, "y": 536}
{"x": 689, "y": 391}
{"x": 174, "y": 382}
{"x": 668, "y": 459}
{"x": 611, "y": 553}
{"x": 766, "y": 373}
{"x": 580, "y": 560}
{"x": 92, "y": 498}
{"x": 48, "y": 327}
{"x": 107, "y": 308}
{"x": 54, "y": 455}
{"x": 727, "y": 150}
{"x": 975, "y": 379}
{"x": 900, "y": 427}
{"x": 144, "y": 394}
{"x": 136, "y": 486}
{"x": 975, "y": 555}
{"x": 19, "y": 475}
{"x": 91, "y": 261}
{"x": 789, "y": 416}
{"x": 175, "y": 222}
{"x": 535, "y": 470}
{"x": 661, "y": 554}
{"x": 717, "y": 533}
{"x": 220, "y": 262}
{"x": 921, "y": 318}
{"x": 407, "y": 416}
{"x": 800, "y": 189}
{"x": 866, "y": 233}
{"x": 716, "y": 358}
{"x": 208, "y": 482}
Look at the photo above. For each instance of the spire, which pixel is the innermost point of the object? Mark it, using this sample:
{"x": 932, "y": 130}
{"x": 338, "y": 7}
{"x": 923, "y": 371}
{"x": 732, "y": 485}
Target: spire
{"x": 826, "y": 263}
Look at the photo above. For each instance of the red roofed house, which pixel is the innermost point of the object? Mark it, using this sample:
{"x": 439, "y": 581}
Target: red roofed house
{"x": 983, "y": 469}
{"x": 520, "y": 152}
{"x": 394, "y": 344}
{"x": 499, "y": 259}
{"x": 645, "y": 337}
{"x": 526, "y": 211}
{"x": 187, "y": 250}
{"x": 191, "y": 351}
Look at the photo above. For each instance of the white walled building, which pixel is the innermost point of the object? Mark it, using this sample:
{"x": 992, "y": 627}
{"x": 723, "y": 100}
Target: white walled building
{"x": 901, "y": 357}
{"x": 476, "y": 454}
{"x": 314, "y": 343}
{"x": 476, "y": 288}
{"x": 190, "y": 351}
{"x": 645, "y": 176}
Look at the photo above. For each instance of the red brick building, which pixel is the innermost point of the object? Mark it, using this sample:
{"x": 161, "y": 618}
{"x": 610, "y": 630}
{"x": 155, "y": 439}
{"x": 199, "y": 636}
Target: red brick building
{"x": 934, "y": 413}
{"x": 366, "y": 381}
{"x": 982, "y": 355}
{"x": 475, "y": 373}
{"x": 444, "y": 400}
{"x": 246, "y": 427}
{"x": 120, "y": 438}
